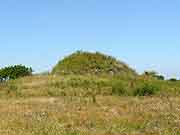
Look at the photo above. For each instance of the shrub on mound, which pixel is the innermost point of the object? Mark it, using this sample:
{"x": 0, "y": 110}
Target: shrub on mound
{"x": 147, "y": 89}
{"x": 92, "y": 63}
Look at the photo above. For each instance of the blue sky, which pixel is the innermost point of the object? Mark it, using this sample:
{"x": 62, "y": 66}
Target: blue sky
{"x": 143, "y": 33}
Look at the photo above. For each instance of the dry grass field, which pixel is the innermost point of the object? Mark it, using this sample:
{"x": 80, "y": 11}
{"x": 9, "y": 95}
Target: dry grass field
{"x": 80, "y": 116}
{"x": 47, "y": 105}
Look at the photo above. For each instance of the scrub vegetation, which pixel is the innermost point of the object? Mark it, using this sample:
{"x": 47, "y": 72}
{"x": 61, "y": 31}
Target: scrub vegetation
{"x": 90, "y": 94}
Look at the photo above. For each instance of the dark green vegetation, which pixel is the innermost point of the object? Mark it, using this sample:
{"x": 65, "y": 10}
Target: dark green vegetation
{"x": 154, "y": 75}
{"x": 14, "y": 72}
{"x": 83, "y": 63}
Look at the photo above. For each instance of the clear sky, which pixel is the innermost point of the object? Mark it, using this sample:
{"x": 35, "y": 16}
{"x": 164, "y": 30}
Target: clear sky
{"x": 143, "y": 33}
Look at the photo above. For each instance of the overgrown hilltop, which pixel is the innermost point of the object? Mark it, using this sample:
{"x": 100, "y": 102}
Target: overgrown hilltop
{"x": 92, "y": 63}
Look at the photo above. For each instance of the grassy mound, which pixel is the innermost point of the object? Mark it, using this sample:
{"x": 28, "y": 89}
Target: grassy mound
{"x": 92, "y": 63}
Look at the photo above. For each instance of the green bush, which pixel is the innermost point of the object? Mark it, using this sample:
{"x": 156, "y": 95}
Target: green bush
{"x": 154, "y": 74}
{"x": 160, "y": 77}
{"x": 146, "y": 89}
{"x": 14, "y": 72}
{"x": 173, "y": 79}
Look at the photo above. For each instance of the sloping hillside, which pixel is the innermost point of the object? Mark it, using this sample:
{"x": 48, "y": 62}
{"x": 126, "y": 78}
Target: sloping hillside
{"x": 92, "y": 63}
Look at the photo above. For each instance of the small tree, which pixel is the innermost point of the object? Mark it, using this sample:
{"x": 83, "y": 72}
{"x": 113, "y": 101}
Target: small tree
{"x": 14, "y": 72}
{"x": 150, "y": 73}
{"x": 160, "y": 77}
{"x": 173, "y": 79}
{"x": 154, "y": 74}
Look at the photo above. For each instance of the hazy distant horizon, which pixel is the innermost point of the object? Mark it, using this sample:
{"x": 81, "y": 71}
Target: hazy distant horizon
{"x": 143, "y": 34}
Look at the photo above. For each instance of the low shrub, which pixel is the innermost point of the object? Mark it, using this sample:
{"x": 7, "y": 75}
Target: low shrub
{"x": 173, "y": 79}
{"x": 146, "y": 89}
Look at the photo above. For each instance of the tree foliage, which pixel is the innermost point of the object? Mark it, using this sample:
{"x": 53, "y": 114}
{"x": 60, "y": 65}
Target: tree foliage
{"x": 154, "y": 74}
{"x": 14, "y": 72}
{"x": 173, "y": 79}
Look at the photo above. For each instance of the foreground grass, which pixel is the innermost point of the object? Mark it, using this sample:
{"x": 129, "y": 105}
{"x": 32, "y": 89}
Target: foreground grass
{"x": 111, "y": 115}
{"x": 88, "y": 105}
